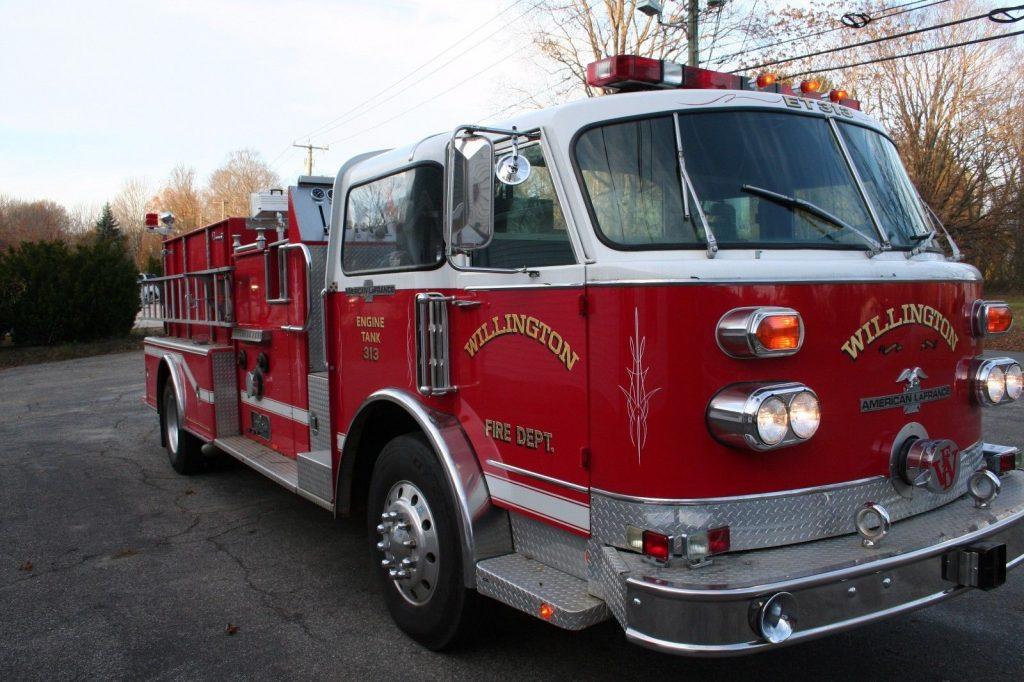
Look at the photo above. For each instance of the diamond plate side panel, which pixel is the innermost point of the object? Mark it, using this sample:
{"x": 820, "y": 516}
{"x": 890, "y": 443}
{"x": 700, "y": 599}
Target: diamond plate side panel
{"x": 314, "y": 473}
{"x": 608, "y": 573}
{"x": 772, "y": 520}
{"x": 525, "y": 584}
{"x": 225, "y": 394}
{"x": 319, "y": 412}
{"x": 315, "y": 332}
{"x": 549, "y": 545}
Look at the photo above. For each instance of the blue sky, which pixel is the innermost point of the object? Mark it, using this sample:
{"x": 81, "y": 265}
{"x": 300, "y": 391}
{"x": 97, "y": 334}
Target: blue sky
{"x": 95, "y": 92}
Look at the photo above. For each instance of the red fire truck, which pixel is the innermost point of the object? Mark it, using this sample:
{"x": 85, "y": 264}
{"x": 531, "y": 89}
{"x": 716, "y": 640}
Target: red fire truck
{"x": 690, "y": 356}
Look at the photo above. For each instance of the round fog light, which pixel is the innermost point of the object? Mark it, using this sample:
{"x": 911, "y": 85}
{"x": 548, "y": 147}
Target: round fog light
{"x": 772, "y": 421}
{"x": 1014, "y": 382}
{"x": 995, "y": 385}
{"x": 804, "y": 414}
{"x": 774, "y": 619}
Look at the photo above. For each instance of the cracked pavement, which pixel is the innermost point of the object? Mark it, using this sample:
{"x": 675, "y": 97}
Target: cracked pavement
{"x": 136, "y": 572}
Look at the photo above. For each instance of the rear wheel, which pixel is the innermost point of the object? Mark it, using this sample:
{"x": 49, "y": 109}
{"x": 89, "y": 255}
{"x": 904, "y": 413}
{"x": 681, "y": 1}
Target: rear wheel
{"x": 183, "y": 449}
{"x": 414, "y": 537}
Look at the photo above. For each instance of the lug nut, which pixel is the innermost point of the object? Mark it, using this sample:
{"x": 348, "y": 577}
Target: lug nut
{"x": 381, "y": 528}
{"x": 408, "y": 563}
{"x": 386, "y": 563}
{"x": 410, "y": 543}
{"x": 381, "y": 546}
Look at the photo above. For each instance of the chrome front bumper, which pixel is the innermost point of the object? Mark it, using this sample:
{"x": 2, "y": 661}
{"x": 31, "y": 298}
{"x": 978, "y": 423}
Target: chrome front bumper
{"x": 837, "y": 583}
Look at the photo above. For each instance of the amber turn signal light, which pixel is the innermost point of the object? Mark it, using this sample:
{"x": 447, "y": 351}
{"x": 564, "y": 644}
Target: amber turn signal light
{"x": 780, "y": 332}
{"x": 760, "y": 332}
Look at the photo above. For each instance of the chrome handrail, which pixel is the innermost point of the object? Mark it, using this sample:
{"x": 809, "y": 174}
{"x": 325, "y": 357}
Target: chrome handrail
{"x": 304, "y": 250}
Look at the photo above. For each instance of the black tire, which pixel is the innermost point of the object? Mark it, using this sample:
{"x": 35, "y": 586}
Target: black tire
{"x": 183, "y": 449}
{"x": 445, "y": 619}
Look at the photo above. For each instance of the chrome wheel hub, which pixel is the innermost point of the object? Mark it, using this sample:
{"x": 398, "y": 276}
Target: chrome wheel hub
{"x": 408, "y": 543}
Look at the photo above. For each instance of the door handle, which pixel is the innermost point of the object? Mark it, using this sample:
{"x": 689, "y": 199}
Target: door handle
{"x": 464, "y": 303}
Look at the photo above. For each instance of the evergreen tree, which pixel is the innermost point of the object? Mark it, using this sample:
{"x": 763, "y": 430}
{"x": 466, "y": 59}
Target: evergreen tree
{"x": 107, "y": 226}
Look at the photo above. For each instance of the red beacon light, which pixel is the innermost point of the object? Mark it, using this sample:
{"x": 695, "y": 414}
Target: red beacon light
{"x": 629, "y": 72}
{"x": 766, "y": 80}
{"x": 810, "y": 86}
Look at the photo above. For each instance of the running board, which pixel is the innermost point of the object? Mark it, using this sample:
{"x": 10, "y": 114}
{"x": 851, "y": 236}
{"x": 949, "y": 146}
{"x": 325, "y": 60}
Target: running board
{"x": 539, "y": 590}
{"x": 272, "y": 464}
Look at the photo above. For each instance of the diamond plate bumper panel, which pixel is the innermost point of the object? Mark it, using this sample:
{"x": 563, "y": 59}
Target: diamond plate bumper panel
{"x": 837, "y": 583}
{"x": 756, "y": 522}
{"x": 525, "y": 584}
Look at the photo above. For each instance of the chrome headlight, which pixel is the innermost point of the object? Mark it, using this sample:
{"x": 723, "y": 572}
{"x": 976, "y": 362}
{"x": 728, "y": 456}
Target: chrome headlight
{"x": 996, "y": 381}
{"x": 764, "y": 416}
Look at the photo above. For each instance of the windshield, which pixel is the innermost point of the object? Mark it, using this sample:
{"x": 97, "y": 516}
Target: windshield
{"x": 632, "y": 179}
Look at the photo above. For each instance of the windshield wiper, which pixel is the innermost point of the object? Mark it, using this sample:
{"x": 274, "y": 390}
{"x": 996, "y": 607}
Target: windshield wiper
{"x": 813, "y": 209}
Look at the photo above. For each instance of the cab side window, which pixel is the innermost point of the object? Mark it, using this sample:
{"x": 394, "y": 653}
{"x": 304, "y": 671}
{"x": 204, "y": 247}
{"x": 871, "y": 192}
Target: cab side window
{"x": 394, "y": 223}
{"x": 529, "y": 228}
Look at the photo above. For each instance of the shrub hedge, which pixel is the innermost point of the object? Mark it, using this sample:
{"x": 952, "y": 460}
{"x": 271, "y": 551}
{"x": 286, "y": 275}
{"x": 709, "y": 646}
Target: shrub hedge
{"x": 51, "y": 292}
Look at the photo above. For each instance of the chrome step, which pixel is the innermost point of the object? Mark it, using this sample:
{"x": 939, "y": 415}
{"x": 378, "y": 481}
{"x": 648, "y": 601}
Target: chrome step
{"x": 527, "y": 585}
{"x": 275, "y": 466}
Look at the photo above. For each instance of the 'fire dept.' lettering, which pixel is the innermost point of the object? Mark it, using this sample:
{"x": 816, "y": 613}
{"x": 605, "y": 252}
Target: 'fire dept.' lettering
{"x": 908, "y": 313}
{"x": 526, "y": 325}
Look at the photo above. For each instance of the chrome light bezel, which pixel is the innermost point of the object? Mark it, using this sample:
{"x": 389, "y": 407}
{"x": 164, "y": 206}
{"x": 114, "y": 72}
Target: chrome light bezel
{"x": 736, "y": 332}
{"x": 979, "y": 317}
{"x": 979, "y": 380}
{"x": 732, "y": 413}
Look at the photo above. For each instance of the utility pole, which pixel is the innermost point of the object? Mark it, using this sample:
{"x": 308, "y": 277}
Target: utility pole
{"x": 309, "y": 155}
{"x": 692, "y": 40}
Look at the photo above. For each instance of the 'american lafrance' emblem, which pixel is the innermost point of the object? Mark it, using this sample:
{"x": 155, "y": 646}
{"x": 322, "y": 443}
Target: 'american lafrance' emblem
{"x": 912, "y": 397}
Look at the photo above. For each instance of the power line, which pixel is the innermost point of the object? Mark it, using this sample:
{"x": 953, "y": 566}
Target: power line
{"x": 872, "y": 41}
{"x": 902, "y": 9}
{"x": 877, "y": 60}
{"x": 375, "y": 103}
{"x": 526, "y": 99}
{"x": 501, "y": 60}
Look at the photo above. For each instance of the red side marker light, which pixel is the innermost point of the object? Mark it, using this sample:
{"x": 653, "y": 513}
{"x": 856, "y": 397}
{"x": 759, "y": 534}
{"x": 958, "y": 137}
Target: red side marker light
{"x": 718, "y": 540}
{"x": 1000, "y": 317}
{"x": 656, "y": 545}
{"x": 546, "y": 611}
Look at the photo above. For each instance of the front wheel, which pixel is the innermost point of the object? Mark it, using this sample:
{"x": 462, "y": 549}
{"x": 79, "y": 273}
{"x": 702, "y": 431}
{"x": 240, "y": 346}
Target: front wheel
{"x": 414, "y": 537}
{"x": 183, "y": 449}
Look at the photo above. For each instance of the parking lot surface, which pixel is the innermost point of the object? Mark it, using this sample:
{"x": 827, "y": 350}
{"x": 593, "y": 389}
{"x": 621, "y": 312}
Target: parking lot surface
{"x": 112, "y": 565}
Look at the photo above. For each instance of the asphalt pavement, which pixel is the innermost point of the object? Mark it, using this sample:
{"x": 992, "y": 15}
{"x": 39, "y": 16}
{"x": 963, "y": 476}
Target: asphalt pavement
{"x": 112, "y": 565}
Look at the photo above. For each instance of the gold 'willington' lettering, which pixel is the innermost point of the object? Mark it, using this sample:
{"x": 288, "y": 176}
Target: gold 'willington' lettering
{"x": 523, "y": 325}
{"x": 907, "y": 313}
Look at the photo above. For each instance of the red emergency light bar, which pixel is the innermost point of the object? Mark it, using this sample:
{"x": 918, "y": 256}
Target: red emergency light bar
{"x": 630, "y": 72}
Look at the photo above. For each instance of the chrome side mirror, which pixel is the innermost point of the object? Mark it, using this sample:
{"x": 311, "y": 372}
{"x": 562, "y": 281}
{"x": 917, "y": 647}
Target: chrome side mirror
{"x": 470, "y": 216}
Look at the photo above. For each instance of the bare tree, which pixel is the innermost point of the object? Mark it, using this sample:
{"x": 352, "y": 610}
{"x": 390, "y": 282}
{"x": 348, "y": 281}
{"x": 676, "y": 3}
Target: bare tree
{"x": 130, "y": 205}
{"x": 182, "y": 196}
{"x": 229, "y": 187}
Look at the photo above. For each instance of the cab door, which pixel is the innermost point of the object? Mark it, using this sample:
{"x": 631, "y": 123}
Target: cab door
{"x": 518, "y": 343}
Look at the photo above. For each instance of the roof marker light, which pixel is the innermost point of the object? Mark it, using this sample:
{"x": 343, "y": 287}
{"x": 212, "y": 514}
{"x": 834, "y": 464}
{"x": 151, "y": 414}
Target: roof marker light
{"x": 809, "y": 86}
{"x": 838, "y": 95}
{"x": 766, "y": 80}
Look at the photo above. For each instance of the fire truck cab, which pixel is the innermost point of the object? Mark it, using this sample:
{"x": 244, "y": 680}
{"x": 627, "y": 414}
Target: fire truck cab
{"x": 688, "y": 357}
